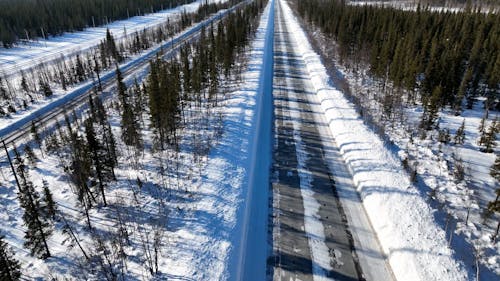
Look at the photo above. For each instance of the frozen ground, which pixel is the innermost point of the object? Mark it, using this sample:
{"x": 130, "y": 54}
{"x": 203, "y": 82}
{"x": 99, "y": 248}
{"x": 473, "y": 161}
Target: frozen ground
{"x": 458, "y": 205}
{"x": 202, "y": 218}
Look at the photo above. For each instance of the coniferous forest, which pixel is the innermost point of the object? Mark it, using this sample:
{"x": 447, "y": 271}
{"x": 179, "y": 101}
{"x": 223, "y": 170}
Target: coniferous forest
{"x": 440, "y": 58}
{"x": 39, "y": 18}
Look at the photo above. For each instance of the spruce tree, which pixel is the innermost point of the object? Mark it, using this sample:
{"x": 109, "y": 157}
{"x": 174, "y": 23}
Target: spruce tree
{"x": 49, "y": 204}
{"x": 495, "y": 169}
{"x": 494, "y": 207}
{"x": 38, "y": 229}
{"x": 111, "y": 48}
{"x": 45, "y": 88}
{"x": 30, "y": 154}
{"x": 10, "y": 269}
{"x": 460, "y": 136}
{"x": 36, "y": 135}
{"x": 487, "y": 141}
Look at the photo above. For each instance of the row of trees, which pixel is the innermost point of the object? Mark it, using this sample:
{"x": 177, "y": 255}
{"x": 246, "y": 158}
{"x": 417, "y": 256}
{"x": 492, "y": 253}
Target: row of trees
{"x": 442, "y": 57}
{"x": 194, "y": 76}
{"x": 24, "y": 19}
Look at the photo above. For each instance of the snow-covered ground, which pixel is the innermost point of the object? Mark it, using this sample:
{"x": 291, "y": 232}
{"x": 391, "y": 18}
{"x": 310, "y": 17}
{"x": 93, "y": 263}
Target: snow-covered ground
{"x": 198, "y": 215}
{"x": 417, "y": 248}
{"x": 459, "y": 205}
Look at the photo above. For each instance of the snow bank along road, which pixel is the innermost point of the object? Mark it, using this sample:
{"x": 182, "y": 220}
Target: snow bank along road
{"x": 77, "y": 96}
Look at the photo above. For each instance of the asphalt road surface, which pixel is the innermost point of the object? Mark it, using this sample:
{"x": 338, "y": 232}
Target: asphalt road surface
{"x": 304, "y": 199}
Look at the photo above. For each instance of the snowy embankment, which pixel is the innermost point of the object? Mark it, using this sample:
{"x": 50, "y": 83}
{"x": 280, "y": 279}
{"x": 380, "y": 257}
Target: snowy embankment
{"x": 236, "y": 178}
{"x": 416, "y": 247}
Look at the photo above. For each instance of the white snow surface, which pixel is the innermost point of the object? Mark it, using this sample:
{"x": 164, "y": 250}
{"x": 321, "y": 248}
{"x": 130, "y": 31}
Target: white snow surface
{"x": 202, "y": 222}
{"x": 416, "y": 247}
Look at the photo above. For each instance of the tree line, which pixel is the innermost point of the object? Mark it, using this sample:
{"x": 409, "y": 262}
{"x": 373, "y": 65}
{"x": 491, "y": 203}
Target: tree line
{"x": 23, "y": 19}
{"x": 441, "y": 58}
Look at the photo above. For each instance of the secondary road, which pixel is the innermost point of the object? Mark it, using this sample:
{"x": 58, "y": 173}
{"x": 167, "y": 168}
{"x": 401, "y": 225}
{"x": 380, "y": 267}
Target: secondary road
{"x": 311, "y": 235}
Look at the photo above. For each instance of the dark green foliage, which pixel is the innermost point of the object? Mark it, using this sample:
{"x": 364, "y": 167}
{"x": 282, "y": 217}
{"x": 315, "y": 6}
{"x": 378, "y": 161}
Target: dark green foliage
{"x": 30, "y": 155}
{"x": 163, "y": 91}
{"x": 495, "y": 169}
{"x": 460, "y": 136}
{"x": 130, "y": 119}
{"x": 455, "y": 54}
{"x": 487, "y": 140}
{"x": 58, "y": 16}
{"x": 98, "y": 154}
{"x": 49, "y": 204}
{"x": 45, "y": 87}
{"x": 10, "y": 269}
{"x": 38, "y": 229}
{"x": 36, "y": 135}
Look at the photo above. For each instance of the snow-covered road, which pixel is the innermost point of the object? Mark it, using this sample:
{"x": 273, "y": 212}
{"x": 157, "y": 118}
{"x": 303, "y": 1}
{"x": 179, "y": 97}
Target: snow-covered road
{"x": 415, "y": 245}
{"x": 314, "y": 235}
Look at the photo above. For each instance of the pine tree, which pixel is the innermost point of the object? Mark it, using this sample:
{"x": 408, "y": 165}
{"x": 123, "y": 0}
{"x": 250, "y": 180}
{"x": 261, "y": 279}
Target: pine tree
{"x": 488, "y": 138}
{"x": 79, "y": 69}
{"x": 495, "y": 169}
{"x": 49, "y": 204}
{"x": 79, "y": 172}
{"x": 103, "y": 167}
{"x": 45, "y": 88}
{"x": 120, "y": 86}
{"x": 10, "y": 269}
{"x": 431, "y": 109}
{"x": 3, "y": 91}
{"x": 36, "y": 135}
{"x": 111, "y": 47}
{"x": 38, "y": 229}
{"x": 24, "y": 83}
{"x": 494, "y": 207}
{"x": 460, "y": 136}
{"x": 482, "y": 125}
{"x": 30, "y": 155}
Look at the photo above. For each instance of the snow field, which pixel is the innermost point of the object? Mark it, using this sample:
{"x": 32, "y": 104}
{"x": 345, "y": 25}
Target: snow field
{"x": 416, "y": 247}
{"x": 202, "y": 221}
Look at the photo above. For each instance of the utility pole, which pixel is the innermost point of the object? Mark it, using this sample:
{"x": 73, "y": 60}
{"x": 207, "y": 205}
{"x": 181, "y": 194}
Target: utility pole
{"x": 11, "y": 165}
{"x": 44, "y": 38}
{"x": 27, "y": 36}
